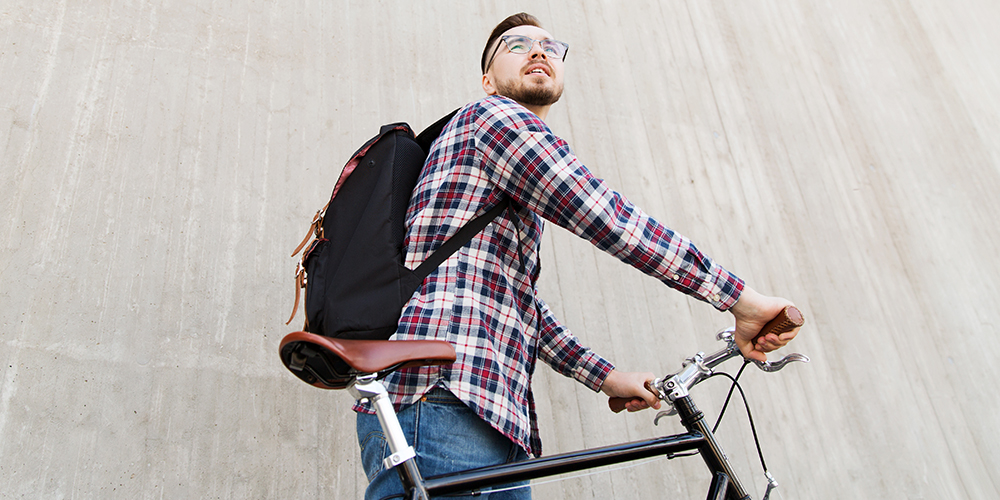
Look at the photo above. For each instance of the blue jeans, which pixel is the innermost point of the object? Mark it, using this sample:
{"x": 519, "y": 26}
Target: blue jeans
{"x": 447, "y": 436}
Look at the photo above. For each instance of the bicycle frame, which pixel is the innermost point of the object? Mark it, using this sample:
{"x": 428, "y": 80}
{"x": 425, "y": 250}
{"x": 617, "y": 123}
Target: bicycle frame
{"x": 699, "y": 438}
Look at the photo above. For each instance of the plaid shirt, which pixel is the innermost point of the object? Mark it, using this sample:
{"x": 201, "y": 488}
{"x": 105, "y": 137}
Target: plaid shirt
{"x": 482, "y": 299}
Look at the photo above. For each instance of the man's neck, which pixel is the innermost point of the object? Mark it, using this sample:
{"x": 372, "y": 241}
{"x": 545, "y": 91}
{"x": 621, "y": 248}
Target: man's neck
{"x": 540, "y": 111}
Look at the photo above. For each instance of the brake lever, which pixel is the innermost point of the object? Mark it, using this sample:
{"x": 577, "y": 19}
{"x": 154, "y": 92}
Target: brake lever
{"x": 727, "y": 336}
{"x": 665, "y": 413}
{"x": 773, "y": 366}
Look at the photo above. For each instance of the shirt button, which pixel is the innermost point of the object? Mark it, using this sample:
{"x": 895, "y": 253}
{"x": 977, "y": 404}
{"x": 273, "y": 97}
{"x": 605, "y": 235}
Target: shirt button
{"x": 716, "y": 298}
{"x": 676, "y": 277}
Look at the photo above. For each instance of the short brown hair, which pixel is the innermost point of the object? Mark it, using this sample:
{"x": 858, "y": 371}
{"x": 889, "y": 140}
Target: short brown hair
{"x": 520, "y": 19}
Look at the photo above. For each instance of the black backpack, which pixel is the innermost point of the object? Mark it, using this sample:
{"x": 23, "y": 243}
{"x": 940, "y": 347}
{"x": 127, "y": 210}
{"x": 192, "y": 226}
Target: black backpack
{"x": 352, "y": 271}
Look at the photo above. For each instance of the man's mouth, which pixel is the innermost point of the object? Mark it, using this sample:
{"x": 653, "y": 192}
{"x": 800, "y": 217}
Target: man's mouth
{"x": 538, "y": 70}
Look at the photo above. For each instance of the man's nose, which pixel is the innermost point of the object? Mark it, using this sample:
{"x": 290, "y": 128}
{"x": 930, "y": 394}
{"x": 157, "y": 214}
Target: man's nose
{"x": 536, "y": 50}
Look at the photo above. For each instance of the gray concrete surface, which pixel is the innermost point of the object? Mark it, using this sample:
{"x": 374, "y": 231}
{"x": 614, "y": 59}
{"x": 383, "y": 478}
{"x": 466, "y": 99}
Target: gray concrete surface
{"x": 160, "y": 160}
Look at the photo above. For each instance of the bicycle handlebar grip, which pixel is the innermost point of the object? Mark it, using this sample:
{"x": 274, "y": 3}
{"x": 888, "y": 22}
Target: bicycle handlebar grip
{"x": 618, "y": 404}
{"x": 789, "y": 319}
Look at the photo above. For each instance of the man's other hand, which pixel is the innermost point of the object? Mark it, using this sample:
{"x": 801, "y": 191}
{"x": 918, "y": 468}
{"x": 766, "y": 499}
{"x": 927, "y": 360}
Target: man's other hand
{"x": 631, "y": 385}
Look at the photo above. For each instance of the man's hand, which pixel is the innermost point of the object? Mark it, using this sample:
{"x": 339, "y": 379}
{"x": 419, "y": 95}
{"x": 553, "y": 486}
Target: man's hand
{"x": 752, "y": 312}
{"x": 633, "y": 386}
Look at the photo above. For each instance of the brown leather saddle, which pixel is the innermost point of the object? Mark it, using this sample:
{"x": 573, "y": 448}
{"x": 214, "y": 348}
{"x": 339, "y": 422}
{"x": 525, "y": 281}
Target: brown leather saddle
{"x": 330, "y": 363}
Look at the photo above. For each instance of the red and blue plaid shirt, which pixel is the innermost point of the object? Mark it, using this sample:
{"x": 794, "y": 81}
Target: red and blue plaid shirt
{"x": 482, "y": 299}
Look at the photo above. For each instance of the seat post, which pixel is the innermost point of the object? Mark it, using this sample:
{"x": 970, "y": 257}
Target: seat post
{"x": 368, "y": 387}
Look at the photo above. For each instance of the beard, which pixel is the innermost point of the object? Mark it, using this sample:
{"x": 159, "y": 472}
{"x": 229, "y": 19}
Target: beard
{"x": 530, "y": 94}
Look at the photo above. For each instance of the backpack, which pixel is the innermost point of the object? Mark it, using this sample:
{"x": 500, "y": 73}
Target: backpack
{"x": 352, "y": 271}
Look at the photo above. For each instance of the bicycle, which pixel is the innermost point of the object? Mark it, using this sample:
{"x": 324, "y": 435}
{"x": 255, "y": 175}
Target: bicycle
{"x": 358, "y": 365}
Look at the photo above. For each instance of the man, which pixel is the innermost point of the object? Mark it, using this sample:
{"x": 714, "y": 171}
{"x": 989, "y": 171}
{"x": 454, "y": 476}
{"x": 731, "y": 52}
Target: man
{"x": 479, "y": 411}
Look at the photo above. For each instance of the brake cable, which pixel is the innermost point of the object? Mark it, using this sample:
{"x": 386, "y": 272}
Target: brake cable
{"x": 746, "y": 404}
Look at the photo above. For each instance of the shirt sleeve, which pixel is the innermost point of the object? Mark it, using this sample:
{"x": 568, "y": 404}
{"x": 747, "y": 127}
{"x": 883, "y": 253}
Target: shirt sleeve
{"x": 539, "y": 171}
{"x": 561, "y": 350}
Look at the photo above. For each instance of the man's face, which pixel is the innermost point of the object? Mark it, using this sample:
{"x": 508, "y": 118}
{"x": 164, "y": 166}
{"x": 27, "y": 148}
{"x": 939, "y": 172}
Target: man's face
{"x": 532, "y": 79}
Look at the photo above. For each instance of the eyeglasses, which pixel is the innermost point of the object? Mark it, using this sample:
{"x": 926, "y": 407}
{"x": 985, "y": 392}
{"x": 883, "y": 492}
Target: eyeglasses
{"x": 520, "y": 44}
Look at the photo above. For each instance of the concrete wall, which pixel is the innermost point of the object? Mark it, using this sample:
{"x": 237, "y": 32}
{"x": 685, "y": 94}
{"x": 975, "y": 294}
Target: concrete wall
{"x": 160, "y": 160}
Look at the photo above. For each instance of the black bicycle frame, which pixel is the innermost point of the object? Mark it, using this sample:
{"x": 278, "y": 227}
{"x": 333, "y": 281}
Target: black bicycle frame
{"x": 699, "y": 438}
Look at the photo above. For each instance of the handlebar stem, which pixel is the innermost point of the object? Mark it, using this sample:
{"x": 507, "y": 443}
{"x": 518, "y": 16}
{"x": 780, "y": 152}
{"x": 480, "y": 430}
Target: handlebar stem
{"x": 697, "y": 368}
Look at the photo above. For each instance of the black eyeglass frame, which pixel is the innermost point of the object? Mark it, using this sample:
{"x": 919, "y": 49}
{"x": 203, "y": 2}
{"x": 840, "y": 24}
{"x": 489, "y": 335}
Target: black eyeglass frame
{"x": 504, "y": 39}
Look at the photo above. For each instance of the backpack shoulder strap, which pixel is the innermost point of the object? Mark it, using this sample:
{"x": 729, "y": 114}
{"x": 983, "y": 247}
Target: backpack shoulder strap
{"x": 433, "y": 131}
{"x": 459, "y": 239}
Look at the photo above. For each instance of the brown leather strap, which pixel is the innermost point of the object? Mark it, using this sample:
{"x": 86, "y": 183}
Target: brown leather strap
{"x": 315, "y": 229}
{"x": 304, "y": 241}
{"x": 300, "y": 273}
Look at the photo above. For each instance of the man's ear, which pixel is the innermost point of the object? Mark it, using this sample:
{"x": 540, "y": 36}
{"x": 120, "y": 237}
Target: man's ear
{"x": 488, "y": 86}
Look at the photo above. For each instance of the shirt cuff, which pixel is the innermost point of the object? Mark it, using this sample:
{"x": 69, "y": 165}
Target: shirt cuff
{"x": 725, "y": 290}
{"x": 593, "y": 371}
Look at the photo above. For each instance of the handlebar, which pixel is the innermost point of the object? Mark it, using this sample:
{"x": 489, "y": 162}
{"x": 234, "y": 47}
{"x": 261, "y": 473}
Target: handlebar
{"x": 699, "y": 367}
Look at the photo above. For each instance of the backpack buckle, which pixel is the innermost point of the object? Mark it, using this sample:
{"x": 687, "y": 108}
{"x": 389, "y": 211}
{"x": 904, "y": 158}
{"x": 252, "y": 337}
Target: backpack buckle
{"x": 317, "y": 223}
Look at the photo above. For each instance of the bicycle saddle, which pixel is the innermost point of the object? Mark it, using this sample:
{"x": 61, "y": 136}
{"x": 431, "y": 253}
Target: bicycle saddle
{"x": 330, "y": 363}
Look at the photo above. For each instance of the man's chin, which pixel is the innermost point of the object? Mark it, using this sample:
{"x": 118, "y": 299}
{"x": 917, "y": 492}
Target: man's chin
{"x": 533, "y": 95}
